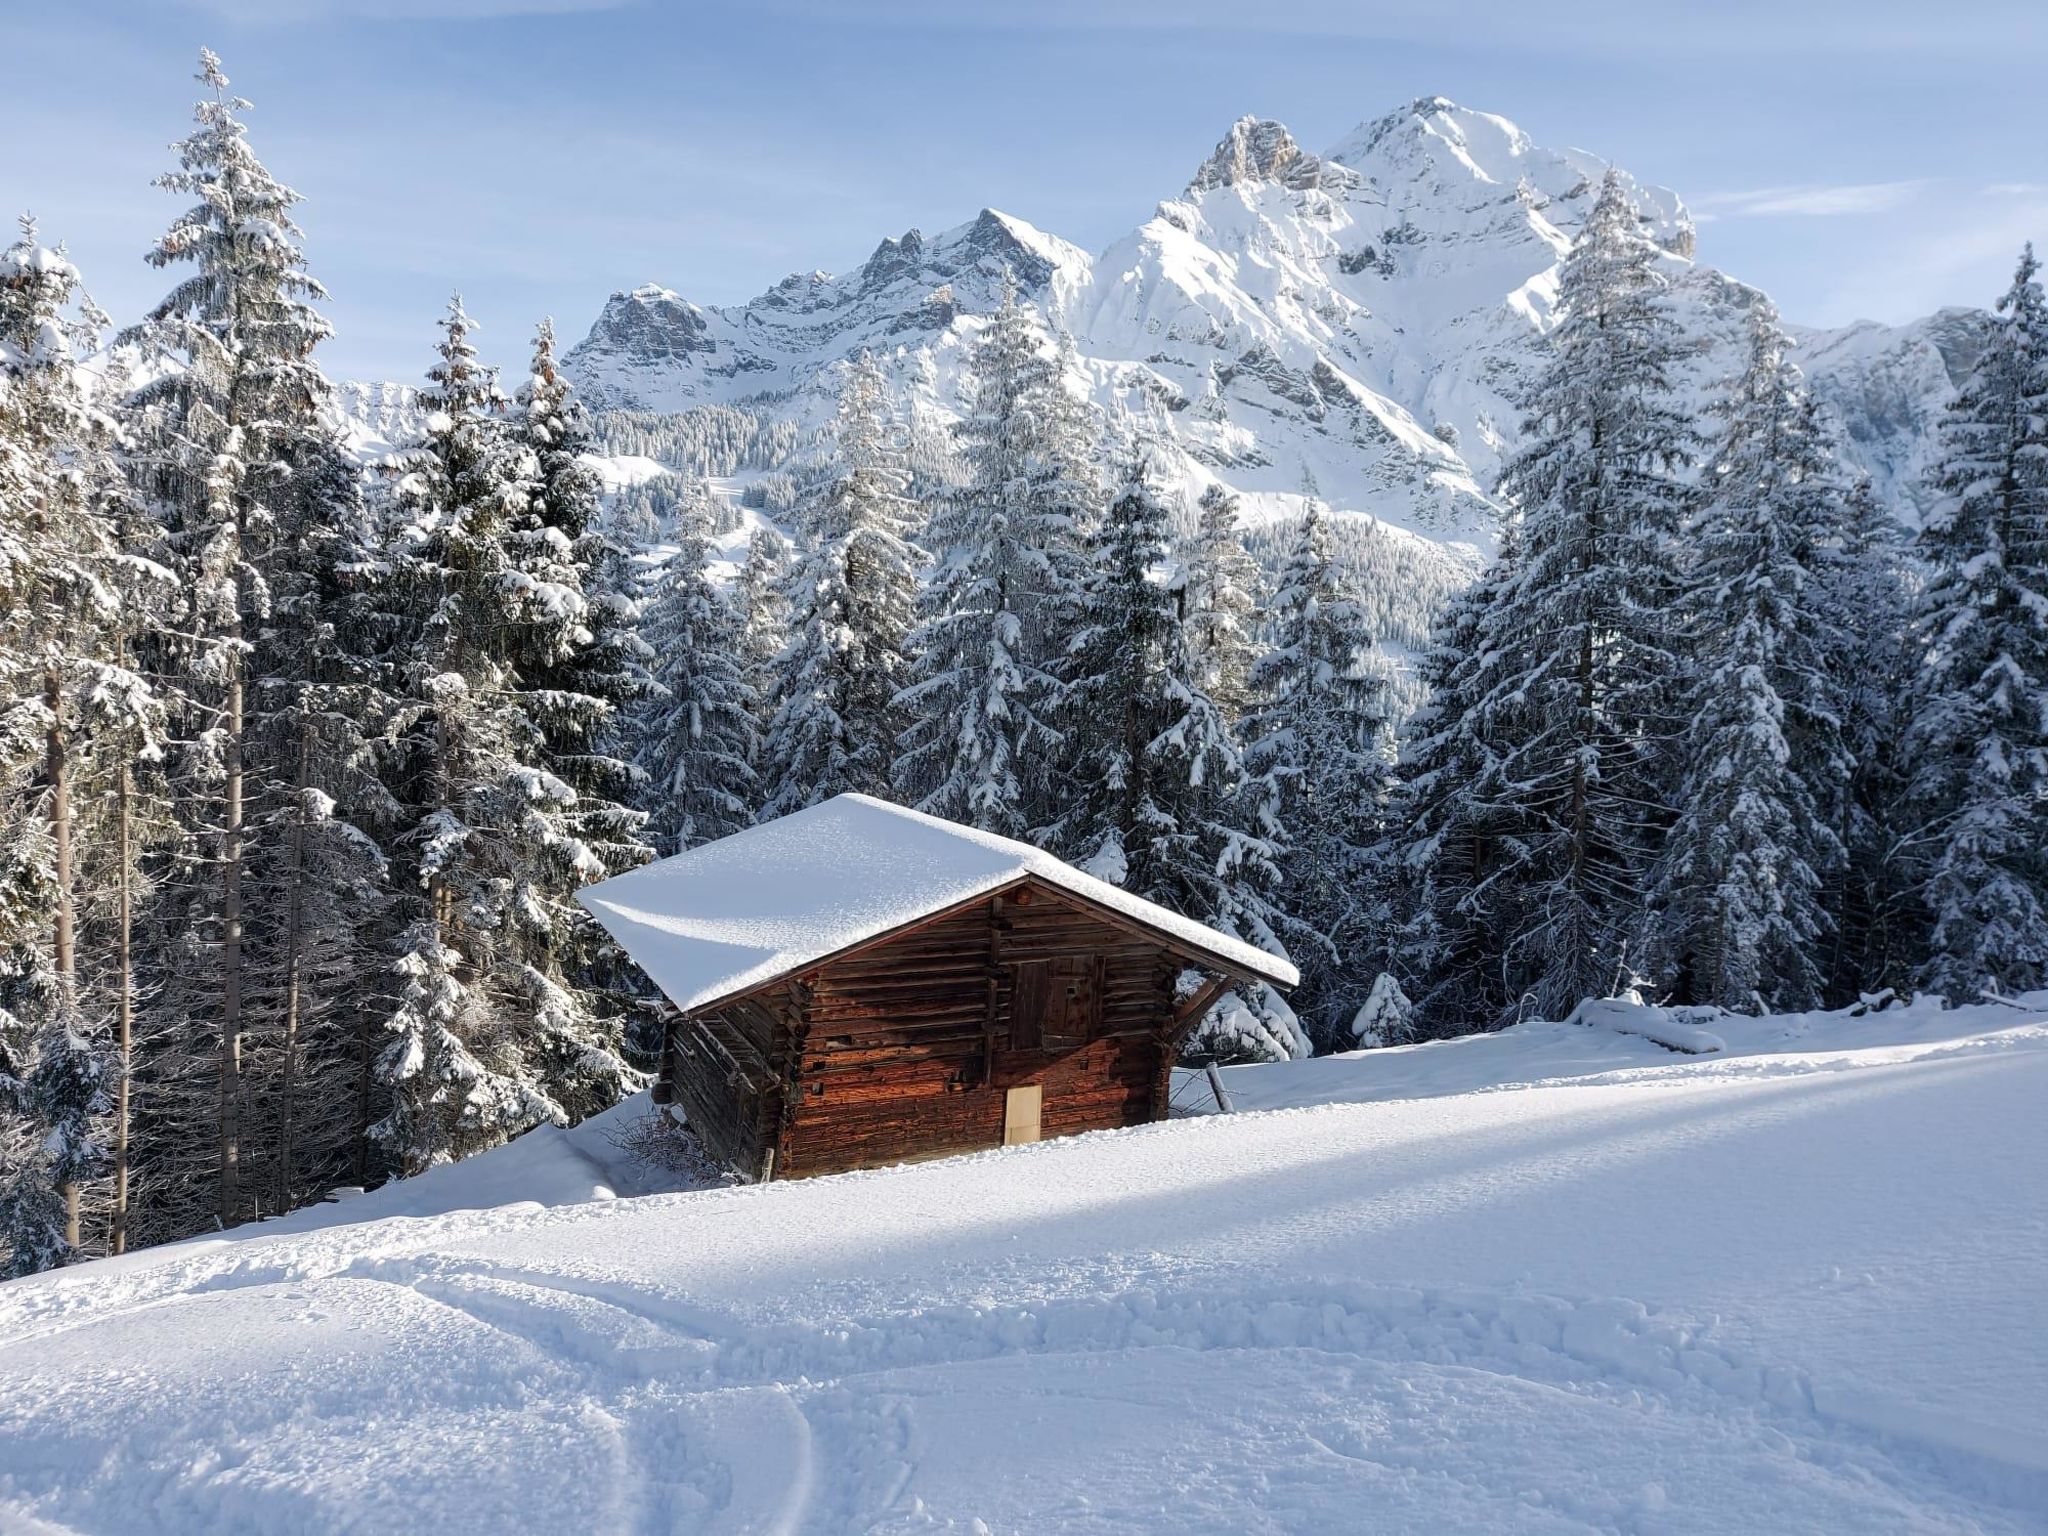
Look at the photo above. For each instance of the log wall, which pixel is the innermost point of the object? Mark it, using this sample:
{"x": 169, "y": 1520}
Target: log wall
{"x": 905, "y": 1049}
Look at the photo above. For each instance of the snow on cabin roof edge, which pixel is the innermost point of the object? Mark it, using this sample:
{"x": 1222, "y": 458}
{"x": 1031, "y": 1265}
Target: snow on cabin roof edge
{"x": 737, "y": 913}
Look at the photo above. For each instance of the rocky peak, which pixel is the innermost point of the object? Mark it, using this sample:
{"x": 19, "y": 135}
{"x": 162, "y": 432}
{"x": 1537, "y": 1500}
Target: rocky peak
{"x": 893, "y": 258}
{"x": 648, "y": 325}
{"x": 1261, "y": 150}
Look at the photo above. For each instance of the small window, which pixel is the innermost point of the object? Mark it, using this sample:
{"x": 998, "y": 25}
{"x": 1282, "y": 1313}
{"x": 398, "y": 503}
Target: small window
{"x": 1055, "y": 1004}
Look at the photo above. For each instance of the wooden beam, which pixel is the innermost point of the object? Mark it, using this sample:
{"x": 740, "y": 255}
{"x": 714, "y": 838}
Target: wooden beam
{"x": 1201, "y": 1001}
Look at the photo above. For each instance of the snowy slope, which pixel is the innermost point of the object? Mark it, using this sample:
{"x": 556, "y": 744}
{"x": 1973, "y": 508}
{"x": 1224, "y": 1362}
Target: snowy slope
{"x": 1556, "y": 1279}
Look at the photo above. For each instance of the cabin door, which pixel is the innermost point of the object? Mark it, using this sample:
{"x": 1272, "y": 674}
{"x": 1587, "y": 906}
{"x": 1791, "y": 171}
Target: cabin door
{"x": 1021, "y": 1107}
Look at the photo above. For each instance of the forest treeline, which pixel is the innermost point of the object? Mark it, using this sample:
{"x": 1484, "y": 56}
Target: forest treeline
{"x": 306, "y": 759}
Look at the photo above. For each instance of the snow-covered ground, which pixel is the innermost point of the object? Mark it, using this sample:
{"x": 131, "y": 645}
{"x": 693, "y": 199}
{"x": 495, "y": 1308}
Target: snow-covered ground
{"x": 1557, "y": 1279}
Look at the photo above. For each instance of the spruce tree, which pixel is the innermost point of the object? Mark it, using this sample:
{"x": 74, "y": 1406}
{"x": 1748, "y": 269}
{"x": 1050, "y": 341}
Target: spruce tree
{"x": 1871, "y": 597}
{"x": 1452, "y": 824}
{"x": 696, "y": 731}
{"x": 241, "y": 462}
{"x": 1318, "y": 748}
{"x": 1979, "y": 738}
{"x": 852, "y": 598}
{"x": 995, "y": 616}
{"x": 1145, "y": 739}
{"x": 1741, "y": 879}
{"x": 62, "y": 582}
{"x": 760, "y": 603}
{"x": 482, "y": 1011}
{"x": 581, "y": 666}
{"x": 1222, "y": 599}
{"x": 1588, "y": 724}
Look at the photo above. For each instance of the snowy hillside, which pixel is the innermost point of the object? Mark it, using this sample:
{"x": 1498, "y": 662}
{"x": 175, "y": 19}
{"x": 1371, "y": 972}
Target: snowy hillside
{"x": 1370, "y": 315}
{"x": 1556, "y": 1279}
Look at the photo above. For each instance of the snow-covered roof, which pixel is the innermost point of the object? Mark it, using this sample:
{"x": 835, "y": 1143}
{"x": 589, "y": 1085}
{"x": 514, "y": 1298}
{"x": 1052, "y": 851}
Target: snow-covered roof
{"x": 724, "y": 918}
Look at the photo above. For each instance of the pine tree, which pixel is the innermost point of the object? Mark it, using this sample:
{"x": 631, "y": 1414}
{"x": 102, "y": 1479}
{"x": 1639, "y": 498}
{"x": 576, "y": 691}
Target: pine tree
{"x": 480, "y": 1010}
{"x": 581, "y": 665}
{"x": 995, "y": 615}
{"x": 697, "y": 730}
{"x": 760, "y": 602}
{"x": 1587, "y": 724}
{"x": 1318, "y": 746}
{"x": 1387, "y": 1017}
{"x": 1740, "y": 882}
{"x": 61, "y": 586}
{"x": 1222, "y": 598}
{"x": 1871, "y": 599}
{"x": 1979, "y": 738}
{"x": 851, "y": 603}
{"x": 237, "y": 455}
{"x": 1453, "y": 823}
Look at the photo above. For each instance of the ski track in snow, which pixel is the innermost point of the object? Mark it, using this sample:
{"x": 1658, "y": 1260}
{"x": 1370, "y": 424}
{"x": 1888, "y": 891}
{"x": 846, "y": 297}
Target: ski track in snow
{"x": 1795, "y": 1289}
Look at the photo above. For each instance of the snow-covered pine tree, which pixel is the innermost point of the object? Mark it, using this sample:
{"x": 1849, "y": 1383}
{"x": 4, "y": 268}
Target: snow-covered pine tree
{"x": 1158, "y": 802}
{"x": 580, "y": 664}
{"x": 233, "y": 449}
{"x": 696, "y": 730}
{"x": 1319, "y": 748}
{"x": 320, "y": 902}
{"x": 1979, "y": 739}
{"x": 852, "y": 599}
{"x": 760, "y": 603}
{"x": 61, "y": 587}
{"x": 1145, "y": 740}
{"x": 994, "y": 618}
{"x": 484, "y": 847}
{"x": 1222, "y": 588}
{"x": 1387, "y": 1017}
{"x": 1739, "y": 886}
{"x": 1871, "y": 597}
{"x": 1450, "y": 818}
{"x": 579, "y": 653}
{"x": 1588, "y": 746}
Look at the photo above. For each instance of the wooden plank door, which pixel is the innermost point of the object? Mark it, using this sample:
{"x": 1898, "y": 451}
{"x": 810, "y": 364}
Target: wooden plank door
{"x": 1021, "y": 1108}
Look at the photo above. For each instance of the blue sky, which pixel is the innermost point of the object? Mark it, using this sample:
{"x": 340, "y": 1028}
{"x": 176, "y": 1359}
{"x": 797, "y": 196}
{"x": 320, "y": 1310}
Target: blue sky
{"x": 1877, "y": 159}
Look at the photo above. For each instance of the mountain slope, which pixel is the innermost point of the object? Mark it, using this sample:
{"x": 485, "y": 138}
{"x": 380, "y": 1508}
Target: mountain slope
{"x": 1371, "y": 316}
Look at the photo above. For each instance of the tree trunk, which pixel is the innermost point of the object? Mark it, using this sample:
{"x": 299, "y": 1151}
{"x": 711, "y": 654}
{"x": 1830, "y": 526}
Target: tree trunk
{"x": 124, "y": 1019}
{"x": 57, "y": 765}
{"x": 230, "y": 1192}
{"x": 293, "y": 970}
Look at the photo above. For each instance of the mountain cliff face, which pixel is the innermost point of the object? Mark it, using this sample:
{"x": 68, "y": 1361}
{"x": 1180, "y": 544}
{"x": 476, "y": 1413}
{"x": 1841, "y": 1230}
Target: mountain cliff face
{"x": 1371, "y": 316}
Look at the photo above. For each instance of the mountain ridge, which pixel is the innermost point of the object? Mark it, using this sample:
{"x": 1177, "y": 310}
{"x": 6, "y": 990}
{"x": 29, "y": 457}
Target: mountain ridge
{"x": 1368, "y": 314}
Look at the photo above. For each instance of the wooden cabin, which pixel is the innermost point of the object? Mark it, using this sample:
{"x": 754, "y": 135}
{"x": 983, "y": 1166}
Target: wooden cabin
{"x": 860, "y": 984}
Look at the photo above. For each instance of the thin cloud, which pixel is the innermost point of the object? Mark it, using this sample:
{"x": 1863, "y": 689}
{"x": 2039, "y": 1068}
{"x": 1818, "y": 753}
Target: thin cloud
{"x": 1813, "y": 202}
{"x": 258, "y": 11}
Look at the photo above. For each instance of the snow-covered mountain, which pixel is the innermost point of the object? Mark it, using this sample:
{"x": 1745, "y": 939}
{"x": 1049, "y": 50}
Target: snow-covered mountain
{"x": 1371, "y": 315}
{"x": 1886, "y": 386}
